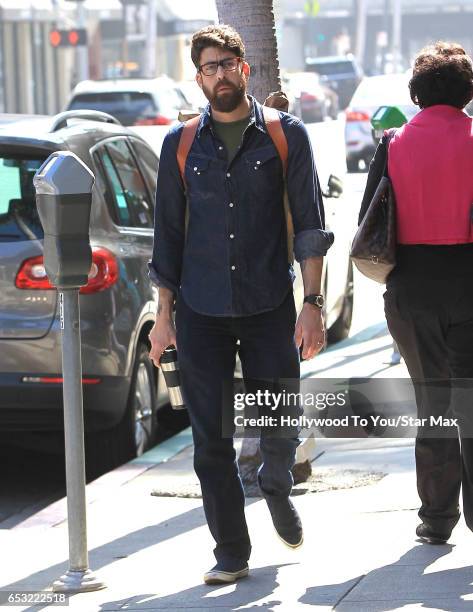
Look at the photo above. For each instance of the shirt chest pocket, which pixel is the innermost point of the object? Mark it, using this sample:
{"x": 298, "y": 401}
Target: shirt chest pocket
{"x": 198, "y": 175}
{"x": 264, "y": 170}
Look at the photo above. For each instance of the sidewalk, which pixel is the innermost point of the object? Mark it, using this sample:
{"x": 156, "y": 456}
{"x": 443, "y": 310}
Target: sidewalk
{"x": 359, "y": 554}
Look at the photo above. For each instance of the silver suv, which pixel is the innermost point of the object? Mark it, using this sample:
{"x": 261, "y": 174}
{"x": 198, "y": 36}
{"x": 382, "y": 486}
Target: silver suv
{"x": 117, "y": 306}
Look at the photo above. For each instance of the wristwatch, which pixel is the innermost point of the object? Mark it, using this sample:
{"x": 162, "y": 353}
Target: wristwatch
{"x": 315, "y": 300}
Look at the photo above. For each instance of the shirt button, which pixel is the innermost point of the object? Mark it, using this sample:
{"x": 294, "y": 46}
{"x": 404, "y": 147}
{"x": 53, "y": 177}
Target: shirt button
{"x": 232, "y": 236}
{"x": 228, "y": 174}
{"x": 258, "y": 162}
{"x": 195, "y": 168}
{"x": 220, "y": 148}
{"x": 231, "y": 204}
{"x": 233, "y": 267}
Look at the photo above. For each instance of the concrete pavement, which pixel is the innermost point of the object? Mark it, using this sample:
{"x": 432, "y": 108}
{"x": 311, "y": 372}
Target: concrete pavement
{"x": 360, "y": 551}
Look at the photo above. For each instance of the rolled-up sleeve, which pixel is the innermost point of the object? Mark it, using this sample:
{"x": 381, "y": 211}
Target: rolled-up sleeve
{"x": 169, "y": 218}
{"x": 305, "y": 195}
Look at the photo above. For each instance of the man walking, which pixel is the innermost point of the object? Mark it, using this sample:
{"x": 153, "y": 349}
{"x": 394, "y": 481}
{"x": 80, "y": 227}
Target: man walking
{"x": 220, "y": 256}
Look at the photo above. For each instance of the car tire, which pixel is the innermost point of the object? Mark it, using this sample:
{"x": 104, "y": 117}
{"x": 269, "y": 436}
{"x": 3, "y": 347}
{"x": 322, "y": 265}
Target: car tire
{"x": 353, "y": 164}
{"x": 341, "y": 328}
{"x": 136, "y": 432}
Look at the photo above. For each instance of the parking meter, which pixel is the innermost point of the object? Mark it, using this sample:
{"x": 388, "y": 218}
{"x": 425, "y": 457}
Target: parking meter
{"x": 385, "y": 118}
{"x": 63, "y": 197}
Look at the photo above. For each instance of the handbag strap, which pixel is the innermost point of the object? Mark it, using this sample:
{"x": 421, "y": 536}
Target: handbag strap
{"x": 389, "y": 135}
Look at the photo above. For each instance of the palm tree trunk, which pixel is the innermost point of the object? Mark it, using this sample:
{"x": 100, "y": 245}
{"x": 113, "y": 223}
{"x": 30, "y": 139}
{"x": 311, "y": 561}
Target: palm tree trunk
{"x": 254, "y": 20}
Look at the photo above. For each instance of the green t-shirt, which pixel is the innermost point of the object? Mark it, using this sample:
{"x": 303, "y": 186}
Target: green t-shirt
{"x": 231, "y": 134}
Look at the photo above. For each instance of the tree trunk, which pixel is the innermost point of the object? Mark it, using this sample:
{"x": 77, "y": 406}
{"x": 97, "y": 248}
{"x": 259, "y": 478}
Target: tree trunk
{"x": 254, "y": 20}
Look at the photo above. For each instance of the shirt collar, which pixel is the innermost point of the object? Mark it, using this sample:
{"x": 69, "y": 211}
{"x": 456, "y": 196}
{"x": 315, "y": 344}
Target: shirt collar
{"x": 256, "y": 116}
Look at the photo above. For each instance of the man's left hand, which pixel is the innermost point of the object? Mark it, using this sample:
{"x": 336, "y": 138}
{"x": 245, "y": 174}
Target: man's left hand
{"x": 310, "y": 331}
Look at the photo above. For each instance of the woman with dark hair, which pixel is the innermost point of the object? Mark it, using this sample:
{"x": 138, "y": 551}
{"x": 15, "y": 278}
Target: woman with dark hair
{"x": 429, "y": 294}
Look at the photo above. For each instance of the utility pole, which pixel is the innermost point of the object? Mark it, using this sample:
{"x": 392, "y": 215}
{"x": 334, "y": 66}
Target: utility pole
{"x": 396, "y": 45}
{"x": 361, "y": 15}
{"x": 82, "y": 50}
{"x": 151, "y": 40}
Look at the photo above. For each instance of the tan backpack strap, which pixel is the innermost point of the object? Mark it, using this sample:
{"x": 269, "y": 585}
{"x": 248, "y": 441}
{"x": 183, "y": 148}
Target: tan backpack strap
{"x": 185, "y": 143}
{"x": 273, "y": 123}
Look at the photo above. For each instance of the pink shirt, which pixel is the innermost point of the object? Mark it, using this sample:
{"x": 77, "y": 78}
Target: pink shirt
{"x": 430, "y": 164}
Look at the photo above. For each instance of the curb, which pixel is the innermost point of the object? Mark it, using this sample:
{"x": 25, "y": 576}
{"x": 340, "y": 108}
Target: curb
{"x": 56, "y": 513}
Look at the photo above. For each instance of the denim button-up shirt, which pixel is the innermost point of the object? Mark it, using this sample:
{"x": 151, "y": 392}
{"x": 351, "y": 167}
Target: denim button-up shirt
{"x": 232, "y": 261}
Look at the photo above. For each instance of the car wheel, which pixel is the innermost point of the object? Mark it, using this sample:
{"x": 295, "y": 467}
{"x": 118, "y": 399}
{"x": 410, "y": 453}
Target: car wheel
{"x": 136, "y": 431}
{"x": 341, "y": 328}
{"x": 353, "y": 164}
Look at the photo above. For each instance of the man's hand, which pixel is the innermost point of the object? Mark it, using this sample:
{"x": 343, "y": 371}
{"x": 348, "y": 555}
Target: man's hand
{"x": 163, "y": 333}
{"x": 161, "y": 336}
{"x": 310, "y": 331}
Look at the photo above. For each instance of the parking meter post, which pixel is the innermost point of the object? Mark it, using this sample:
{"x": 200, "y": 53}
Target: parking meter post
{"x": 64, "y": 195}
{"x": 74, "y": 428}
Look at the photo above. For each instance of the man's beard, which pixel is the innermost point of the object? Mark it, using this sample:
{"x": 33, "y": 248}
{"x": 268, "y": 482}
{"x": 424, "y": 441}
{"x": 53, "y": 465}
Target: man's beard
{"x": 227, "y": 101}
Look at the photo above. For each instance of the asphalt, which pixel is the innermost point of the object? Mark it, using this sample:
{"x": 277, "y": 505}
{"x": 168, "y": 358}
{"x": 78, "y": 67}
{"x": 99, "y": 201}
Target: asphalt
{"x": 360, "y": 551}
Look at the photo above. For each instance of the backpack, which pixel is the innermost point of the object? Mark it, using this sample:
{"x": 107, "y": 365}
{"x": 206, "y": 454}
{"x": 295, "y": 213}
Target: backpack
{"x": 273, "y": 124}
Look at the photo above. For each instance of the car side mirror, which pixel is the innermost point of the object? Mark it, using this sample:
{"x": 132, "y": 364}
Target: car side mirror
{"x": 334, "y": 187}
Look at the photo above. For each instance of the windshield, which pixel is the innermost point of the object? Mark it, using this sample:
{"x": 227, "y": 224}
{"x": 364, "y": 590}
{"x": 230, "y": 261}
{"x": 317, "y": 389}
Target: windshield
{"x": 18, "y": 215}
{"x": 127, "y": 106}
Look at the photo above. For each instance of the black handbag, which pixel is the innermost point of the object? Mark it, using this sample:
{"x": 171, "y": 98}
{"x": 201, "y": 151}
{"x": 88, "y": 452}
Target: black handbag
{"x": 374, "y": 247}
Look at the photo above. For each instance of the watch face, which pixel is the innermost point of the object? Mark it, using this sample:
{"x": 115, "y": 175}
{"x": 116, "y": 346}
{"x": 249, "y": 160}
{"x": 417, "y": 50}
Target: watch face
{"x": 316, "y": 300}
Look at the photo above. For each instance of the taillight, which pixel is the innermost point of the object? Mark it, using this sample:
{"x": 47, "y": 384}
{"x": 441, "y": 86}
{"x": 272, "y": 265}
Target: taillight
{"x": 156, "y": 120}
{"x": 103, "y": 273}
{"x": 32, "y": 275}
{"x": 307, "y": 97}
{"x": 352, "y": 115}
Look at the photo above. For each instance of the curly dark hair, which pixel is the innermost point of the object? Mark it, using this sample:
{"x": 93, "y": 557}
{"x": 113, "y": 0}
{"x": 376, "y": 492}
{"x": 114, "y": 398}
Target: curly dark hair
{"x": 443, "y": 74}
{"x": 222, "y": 36}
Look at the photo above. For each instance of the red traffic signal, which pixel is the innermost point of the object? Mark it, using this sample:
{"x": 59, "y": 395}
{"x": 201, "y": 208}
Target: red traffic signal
{"x": 68, "y": 38}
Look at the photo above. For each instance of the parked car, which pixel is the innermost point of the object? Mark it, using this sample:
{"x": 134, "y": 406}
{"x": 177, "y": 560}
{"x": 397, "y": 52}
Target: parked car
{"x": 373, "y": 92}
{"x": 117, "y": 306}
{"x": 307, "y": 98}
{"x": 124, "y": 394}
{"x": 132, "y": 101}
{"x": 341, "y": 73}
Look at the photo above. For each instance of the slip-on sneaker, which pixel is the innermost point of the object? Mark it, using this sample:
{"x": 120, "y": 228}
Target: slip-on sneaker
{"x": 427, "y": 535}
{"x": 286, "y": 520}
{"x": 225, "y": 573}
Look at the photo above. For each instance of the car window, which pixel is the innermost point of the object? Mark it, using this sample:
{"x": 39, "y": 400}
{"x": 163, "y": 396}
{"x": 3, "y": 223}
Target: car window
{"x": 129, "y": 189}
{"x": 19, "y": 218}
{"x": 148, "y": 163}
{"x": 126, "y": 106}
{"x": 170, "y": 98}
{"x": 330, "y": 68}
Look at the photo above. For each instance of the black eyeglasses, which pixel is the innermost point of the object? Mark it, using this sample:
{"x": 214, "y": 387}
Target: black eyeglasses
{"x": 229, "y": 64}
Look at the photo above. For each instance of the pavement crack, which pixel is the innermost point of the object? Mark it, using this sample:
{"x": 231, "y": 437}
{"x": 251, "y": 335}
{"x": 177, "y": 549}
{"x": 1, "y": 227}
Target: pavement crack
{"x": 360, "y": 578}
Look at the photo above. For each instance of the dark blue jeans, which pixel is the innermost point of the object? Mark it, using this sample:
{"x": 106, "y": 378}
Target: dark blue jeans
{"x": 207, "y": 348}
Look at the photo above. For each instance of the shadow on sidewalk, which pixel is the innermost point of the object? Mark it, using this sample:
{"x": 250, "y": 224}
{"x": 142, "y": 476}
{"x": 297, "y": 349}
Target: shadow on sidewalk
{"x": 404, "y": 582}
{"x": 260, "y": 584}
{"x": 119, "y": 548}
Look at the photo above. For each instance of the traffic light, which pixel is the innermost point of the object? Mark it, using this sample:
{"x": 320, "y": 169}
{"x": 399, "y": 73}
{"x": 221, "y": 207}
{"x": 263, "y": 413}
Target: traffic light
{"x": 68, "y": 38}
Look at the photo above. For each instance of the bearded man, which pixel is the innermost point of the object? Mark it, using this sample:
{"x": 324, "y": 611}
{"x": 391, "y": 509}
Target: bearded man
{"x": 220, "y": 258}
